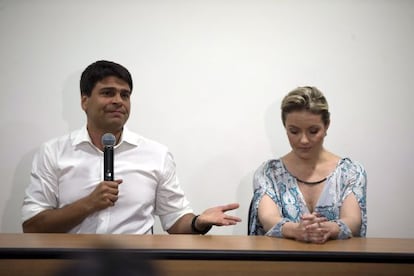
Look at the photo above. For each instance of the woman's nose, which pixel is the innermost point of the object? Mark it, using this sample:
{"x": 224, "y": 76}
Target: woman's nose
{"x": 304, "y": 139}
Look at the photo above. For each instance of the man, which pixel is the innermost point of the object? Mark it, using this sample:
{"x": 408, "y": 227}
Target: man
{"x": 67, "y": 193}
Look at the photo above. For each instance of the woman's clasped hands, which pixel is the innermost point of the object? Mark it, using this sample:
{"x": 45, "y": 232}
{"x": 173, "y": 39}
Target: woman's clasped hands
{"x": 314, "y": 228}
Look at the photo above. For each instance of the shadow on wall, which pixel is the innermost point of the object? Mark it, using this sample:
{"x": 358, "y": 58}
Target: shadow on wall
{"x": 72, "y": 111}
{"x": 244, "y": 194}
{"x": 12, "y": 213}
{"x": 74, "y": 115}
{"x": 274, "y": 129}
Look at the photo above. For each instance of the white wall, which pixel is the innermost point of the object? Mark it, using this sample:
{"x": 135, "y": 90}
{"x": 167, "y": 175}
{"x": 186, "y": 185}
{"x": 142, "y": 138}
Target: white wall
{"x": 209, "y": 77}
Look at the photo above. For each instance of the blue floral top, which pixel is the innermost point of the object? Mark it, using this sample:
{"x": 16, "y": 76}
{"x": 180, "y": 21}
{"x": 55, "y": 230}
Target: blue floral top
{"x": 274, "y": 180}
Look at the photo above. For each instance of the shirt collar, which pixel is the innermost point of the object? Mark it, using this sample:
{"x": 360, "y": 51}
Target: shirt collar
{"x": 82, "y": 136}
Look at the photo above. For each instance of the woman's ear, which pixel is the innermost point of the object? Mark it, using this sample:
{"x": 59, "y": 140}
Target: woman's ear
{"x": 326, "y": 127}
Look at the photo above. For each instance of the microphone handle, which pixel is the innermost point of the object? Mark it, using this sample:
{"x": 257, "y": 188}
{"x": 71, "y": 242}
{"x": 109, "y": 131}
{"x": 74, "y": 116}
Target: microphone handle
{"x": 109, "y": 163}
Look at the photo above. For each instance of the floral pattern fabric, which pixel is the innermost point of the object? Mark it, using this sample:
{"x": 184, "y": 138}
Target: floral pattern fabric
{"x": 274, "y": 180}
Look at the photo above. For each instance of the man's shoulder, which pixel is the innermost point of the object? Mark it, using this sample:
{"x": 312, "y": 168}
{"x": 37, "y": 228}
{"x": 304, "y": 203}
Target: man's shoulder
{"x": 69, "y": 138}
{"x": 143, "y": 142}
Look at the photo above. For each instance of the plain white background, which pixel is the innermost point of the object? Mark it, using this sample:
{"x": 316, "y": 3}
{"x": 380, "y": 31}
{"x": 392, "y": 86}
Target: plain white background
{"x": 209, "y": 77}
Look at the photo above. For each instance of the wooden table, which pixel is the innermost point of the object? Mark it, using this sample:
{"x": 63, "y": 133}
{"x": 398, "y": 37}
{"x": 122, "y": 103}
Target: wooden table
{"x": 44, "y": 254}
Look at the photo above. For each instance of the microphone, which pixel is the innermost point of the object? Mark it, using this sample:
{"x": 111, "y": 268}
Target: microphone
{"x": 108, "y": 141}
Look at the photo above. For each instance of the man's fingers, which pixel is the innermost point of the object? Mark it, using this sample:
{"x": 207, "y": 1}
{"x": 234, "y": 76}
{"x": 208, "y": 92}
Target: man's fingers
{"x": 113, "y": 198}
{"x": 112, "y": 184}
{"x": 230, "y": 206}
{"x": 233, "y": 218}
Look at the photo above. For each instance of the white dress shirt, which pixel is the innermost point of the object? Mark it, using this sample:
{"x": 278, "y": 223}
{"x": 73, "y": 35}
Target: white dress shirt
{"x": 70, "y": 167}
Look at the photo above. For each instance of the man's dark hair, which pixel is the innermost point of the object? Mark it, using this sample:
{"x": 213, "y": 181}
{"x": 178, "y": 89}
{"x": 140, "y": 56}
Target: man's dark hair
{"x": 110, "y": 262}
{"x": 99, "y": 70}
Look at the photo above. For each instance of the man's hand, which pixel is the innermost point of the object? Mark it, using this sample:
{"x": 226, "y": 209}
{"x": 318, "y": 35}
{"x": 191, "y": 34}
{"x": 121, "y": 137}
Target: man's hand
{"x": 217, "y": 216}
{"x": 63, "y": 219}
{"x": 104, "y": 195}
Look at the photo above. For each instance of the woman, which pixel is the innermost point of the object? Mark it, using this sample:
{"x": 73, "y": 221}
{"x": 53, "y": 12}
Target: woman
{"x": 310, "y": 194}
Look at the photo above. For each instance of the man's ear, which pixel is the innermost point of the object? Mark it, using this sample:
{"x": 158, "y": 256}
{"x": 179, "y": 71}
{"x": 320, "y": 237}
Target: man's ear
{"x": 84, "y": 102}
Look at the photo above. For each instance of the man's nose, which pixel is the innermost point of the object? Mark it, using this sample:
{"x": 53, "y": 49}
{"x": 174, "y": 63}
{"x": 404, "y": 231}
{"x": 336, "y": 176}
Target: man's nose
{"x": 117, "y": 98}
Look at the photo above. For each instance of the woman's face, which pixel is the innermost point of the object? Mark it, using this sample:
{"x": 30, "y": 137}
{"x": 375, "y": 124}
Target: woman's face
{"x": 306, "y": 133}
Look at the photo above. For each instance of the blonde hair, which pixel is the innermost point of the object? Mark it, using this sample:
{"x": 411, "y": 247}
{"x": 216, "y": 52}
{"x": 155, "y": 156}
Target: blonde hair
{"x": 306, "y": 98}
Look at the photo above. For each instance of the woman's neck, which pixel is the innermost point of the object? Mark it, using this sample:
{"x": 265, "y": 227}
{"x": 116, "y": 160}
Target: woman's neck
{"x": 311, "y": 162}
{"x": 312, "y": 169}
{"x": 307, "y": 168}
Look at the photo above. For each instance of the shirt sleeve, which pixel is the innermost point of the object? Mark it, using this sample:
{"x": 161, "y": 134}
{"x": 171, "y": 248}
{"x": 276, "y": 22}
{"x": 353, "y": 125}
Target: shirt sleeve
{"x": 260, "y": 188}
{"x": 356, "y": 183}
{"x": 42, "y": 192}
{"x": 171, "y": 203}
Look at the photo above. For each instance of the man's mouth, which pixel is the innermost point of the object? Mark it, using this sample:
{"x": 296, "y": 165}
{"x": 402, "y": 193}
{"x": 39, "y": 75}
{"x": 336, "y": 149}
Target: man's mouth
{"x": 117, "y": 113}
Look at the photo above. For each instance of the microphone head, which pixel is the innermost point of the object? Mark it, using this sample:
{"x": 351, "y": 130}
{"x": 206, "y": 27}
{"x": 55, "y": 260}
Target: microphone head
{"x": 108, "y": 140}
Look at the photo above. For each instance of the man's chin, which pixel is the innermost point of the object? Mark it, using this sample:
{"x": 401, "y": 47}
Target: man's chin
{"x": 115, "y": 126}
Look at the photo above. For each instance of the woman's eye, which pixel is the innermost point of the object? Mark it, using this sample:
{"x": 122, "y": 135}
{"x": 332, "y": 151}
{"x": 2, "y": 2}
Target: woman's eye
{"x": 294, "y": 131}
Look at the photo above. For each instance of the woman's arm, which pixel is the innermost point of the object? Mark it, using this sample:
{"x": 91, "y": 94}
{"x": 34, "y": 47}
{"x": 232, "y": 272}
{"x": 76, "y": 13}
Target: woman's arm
{"x": 269, "y": 217}
{"x": 350, "y": 214}
{"x": 268, "y": 213}
{"x": 307, "y": 230}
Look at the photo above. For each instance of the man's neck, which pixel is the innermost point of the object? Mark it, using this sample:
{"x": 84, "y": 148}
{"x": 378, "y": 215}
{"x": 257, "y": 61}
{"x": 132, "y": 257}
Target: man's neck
{"x": 96, "y": 136}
